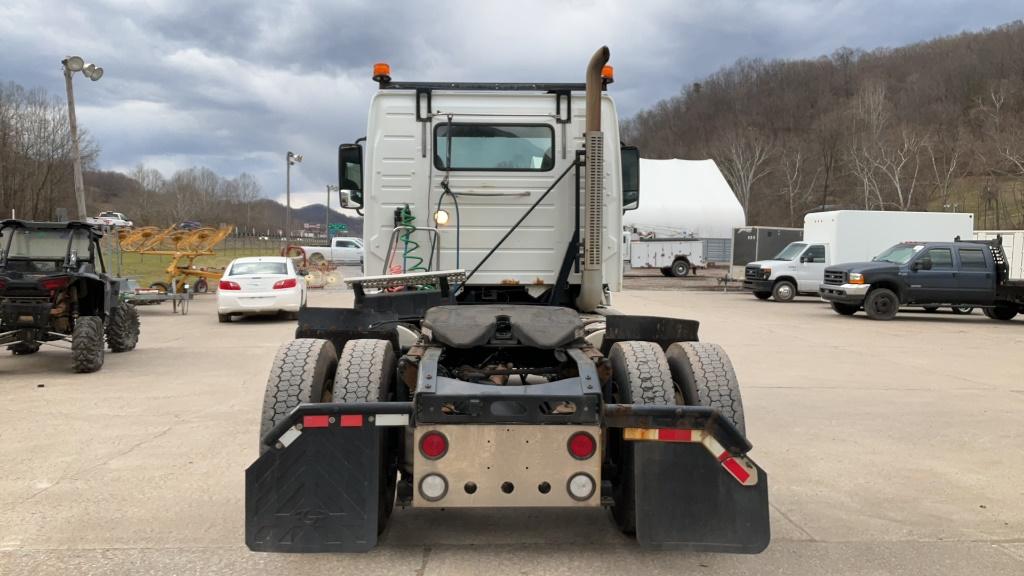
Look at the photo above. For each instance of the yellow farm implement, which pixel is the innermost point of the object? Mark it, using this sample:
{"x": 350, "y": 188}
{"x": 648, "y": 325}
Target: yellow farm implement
{"x": 183, "y": 246}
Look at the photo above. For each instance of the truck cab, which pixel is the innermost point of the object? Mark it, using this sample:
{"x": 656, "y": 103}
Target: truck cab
{"x": 928, "y": 274}
{"x": 797, "y": 269}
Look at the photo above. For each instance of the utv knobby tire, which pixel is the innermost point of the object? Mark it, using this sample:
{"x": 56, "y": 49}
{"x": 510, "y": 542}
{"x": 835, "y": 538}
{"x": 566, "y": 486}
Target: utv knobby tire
{"x": 366, "y": 373}
{"x": 87, "y": 344}
{"x": 706, "y": 377}
{"x": 24, "y": 348}
{"x": 123, "y": 328}
{"x": 642, "y": 376}
{"x": 301, "y": 373}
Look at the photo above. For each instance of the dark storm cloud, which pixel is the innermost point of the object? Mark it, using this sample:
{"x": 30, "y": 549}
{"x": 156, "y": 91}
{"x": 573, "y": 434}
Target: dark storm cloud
{"x": 235, "y": 84}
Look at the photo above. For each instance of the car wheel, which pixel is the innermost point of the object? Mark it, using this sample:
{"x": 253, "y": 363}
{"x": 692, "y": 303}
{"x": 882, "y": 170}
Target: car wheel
{"x": 784, "y": 291}
{"x": 224, "y": 318}
{"x": 881, "y": 304}
{"x": 1001, "y": 312}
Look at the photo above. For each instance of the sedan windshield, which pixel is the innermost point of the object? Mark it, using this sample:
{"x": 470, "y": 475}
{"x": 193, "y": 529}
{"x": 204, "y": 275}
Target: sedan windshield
{"x": 790, "y": 252}
{"x": 247, "y": 268}
{"x": 899, "y": 254}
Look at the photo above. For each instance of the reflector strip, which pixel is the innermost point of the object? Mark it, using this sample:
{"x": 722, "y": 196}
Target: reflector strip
{"x": 316, "y": 421}
{"x": 736, "y": 469}
{"x": 674, "y": 435}
{"x": 737, "y": 466}
{"x": 289, "y": 436}
{"x": 391, "y": 420}
{"x": 351, "y": 420}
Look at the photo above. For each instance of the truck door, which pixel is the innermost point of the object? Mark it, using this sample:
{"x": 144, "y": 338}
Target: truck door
{"x": 937, "y": 284}
{"x": 345, "y": 250}
{"x": 975, "y": 278}
{"x": 811, "y": 268}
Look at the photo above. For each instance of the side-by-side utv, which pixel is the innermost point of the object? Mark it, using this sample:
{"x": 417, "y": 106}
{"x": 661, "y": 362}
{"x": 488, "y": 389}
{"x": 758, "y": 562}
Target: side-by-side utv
{"x": 482, "y": 364}
{"x": 54, "y": 287}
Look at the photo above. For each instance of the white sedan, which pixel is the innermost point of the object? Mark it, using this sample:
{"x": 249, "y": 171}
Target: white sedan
{"x": 260, "y": 285}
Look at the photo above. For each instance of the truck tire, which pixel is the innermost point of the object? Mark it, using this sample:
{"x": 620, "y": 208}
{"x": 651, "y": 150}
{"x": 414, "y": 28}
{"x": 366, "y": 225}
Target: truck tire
{"x": 762, "y": 295}
{"x": 301, "y": 372}
{"x": 366, "y": 373}
{"x": 87, "y": 344}
{"x": 123, "y": 328}
{"x": 962, "y": 309}
{"x": 680, "y": 268}
{"x": 642, "y": 376}
{"x": 881, "y": 304}
{"x": 845, "y": 309}
{"x": 1000, "y": 312}
{"x": 706, "y": 377}
{"x": 784, "y": 291}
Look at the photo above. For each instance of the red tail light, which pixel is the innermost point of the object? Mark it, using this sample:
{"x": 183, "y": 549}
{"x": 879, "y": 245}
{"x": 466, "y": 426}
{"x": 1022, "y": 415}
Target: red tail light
{"x": 286, "y": 283}
{"x": 51, "y": 284}
{"x": 433, "y": 445}
{"x": 582, "y": 445}
{"x": 229, "y": 285}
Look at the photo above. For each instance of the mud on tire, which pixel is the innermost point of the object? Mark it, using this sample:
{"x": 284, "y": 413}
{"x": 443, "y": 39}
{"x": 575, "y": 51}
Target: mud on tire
{"x": 122, "y": 328}
{"x": 87, "y": 344}
{"x": 301, "y": 373}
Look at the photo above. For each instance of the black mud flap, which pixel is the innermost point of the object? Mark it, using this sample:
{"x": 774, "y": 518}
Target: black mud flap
{"x": 685, "y": 499}
{"x": 318, "y": 494}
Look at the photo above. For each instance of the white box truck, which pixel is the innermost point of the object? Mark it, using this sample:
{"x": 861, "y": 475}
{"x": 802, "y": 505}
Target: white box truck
{"x": 844, "y": 236}
{"x": 1013, "y": 246}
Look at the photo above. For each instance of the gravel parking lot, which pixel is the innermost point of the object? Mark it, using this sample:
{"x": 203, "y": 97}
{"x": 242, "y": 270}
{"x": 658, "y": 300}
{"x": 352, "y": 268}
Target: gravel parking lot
{"x": 892, "y": 448}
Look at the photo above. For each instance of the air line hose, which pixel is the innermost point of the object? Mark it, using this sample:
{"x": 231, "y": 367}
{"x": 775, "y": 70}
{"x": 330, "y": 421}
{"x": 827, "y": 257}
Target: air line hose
{"x": 410, "y": 262}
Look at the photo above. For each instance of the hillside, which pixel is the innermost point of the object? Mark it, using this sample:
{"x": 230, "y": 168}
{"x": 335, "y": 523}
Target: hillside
{"x": 936, "y": 125}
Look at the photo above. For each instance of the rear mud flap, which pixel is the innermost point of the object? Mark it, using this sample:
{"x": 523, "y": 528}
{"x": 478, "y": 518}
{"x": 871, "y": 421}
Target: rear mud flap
{"x": 318, "y": 494}
{"x": 686, "y": 500}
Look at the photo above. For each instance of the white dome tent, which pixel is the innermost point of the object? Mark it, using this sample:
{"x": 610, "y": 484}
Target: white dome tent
{"x": 684, "y": 199}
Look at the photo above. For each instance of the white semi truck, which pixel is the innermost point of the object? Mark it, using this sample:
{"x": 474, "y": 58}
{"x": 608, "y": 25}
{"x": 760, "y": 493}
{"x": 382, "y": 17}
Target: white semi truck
{"x": 485, "y": 368}
{"x": 844, "y": 236}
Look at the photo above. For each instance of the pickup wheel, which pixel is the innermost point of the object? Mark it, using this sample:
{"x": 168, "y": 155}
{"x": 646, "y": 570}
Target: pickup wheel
{"x": 316, "y": 258}
{"x": 762, "y": 295}
{"x": 680, "y": 268}
{"x": 1000, "y": 312}
{"x": 962, "y": 309}
{"x": 845, "y": 309}
{"x": 881, "y": 304}
{"x": 87, "y": 344}
{"x": 301, "y": 372}
{"x": 784, "y": 291}
{"x": 366, "y": 373}
{"x": 642, "y": 376}
{"x": 706, "y": 377}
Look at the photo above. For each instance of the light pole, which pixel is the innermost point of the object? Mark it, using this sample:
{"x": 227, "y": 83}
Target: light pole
{"x": 327, "y": 211}
{"x": 292, "y": 158}
{"x": 93, "y": 72}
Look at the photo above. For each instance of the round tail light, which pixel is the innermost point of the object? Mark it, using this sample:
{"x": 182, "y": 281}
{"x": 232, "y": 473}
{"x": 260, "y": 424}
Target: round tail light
{"x": 433, "y": 445}
{"x": 582, "y": 445}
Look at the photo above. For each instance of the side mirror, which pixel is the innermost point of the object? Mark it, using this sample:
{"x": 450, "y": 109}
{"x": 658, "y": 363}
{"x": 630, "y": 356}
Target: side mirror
{"x": 630, "y": 156}
{"x": 350, "y": 175}
{"x": 805, "y": 259}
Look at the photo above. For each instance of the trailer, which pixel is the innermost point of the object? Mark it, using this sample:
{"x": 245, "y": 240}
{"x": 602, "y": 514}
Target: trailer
{"x": 753, "y": 243}
{"x": 485, "y": 367}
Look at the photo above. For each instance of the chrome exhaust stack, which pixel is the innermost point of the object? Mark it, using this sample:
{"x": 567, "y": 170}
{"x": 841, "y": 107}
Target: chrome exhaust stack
{"x": 592, "y": 286}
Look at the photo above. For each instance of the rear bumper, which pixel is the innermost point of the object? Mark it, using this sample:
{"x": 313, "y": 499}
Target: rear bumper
{"x": 288, "y": 300}
{"x": 317, "y": 488}
{"x": 844, "y": 293}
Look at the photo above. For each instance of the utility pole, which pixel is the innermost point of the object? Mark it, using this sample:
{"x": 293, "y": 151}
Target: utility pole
{"x": 291, "y": 158}
{"x": 71, "y": 65}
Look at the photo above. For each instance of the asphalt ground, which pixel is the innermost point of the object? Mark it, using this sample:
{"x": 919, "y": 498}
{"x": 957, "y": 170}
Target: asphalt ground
{"x": 892, "y": 448}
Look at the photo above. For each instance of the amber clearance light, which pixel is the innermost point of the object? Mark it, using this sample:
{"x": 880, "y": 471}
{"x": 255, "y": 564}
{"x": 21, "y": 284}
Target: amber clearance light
{"x": 381, "y": 72}
{"x": 608, "y": 74}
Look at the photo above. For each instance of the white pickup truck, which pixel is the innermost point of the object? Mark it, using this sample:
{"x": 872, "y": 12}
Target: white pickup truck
{"x": 343, "y": 250}
{"x": 111, "y": 219}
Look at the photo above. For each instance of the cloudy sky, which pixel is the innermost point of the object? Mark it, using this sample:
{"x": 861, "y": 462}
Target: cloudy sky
{"x": 234, "y": 84}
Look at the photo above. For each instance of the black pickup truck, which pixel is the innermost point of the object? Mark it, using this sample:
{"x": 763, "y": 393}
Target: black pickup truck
{"x": 928, "y": 274}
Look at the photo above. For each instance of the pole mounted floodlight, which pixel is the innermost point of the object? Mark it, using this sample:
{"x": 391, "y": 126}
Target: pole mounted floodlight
{"x": 292, "y": 158}
{"x": 93, "y": 72}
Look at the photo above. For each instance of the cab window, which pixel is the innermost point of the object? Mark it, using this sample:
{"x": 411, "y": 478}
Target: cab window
{"x": 972, "y": 259}
{"x": 815, "y": 254}
{"x": 495, "y": 147}
{"x": 942, "y": 258}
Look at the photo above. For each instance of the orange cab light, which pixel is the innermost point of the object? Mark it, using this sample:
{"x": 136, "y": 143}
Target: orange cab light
{"x": 381, "y": 70}
{"x": 608, "y": 73}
